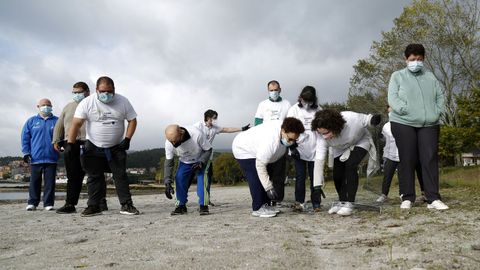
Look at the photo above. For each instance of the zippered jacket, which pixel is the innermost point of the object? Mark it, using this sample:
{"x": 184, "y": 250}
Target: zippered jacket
{"x": 36, "y": 139}
{"x": 416, "y": 99}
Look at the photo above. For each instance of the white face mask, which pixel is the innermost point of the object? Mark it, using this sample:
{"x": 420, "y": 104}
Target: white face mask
{"x": 415, "y": 66}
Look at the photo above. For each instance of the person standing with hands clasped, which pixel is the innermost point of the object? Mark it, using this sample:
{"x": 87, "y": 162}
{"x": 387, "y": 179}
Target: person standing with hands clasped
{"x": 105, "y": 113}
{"x": 39, "y": 153}
{"x": 417, "y": 101}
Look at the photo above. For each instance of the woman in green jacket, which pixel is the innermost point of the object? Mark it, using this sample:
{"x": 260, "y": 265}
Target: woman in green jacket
{"x": 417, "y": 101}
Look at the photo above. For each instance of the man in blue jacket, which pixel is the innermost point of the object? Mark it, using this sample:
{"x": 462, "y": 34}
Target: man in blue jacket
{"x": 38, "y": 151}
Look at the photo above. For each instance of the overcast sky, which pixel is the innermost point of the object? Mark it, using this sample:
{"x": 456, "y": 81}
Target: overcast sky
{"x": 176, "y": 59}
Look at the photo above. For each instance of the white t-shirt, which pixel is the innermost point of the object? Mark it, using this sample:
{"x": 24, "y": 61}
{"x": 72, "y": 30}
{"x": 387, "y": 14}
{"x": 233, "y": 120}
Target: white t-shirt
{"x": 210, "y": 132}
{"x": 261, "y": 142}
{"x": 269, "y": 110}
{"x": 190, "y": 150}
{"x": 105, "y": 125}
{"x": 307, "y": 140}
{"x": 354, "y": 133}
{"x": 390, "y": 150}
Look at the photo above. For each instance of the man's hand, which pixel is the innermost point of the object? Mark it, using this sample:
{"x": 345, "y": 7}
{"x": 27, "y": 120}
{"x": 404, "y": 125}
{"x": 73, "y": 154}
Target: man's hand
{"x": 197, "y": 166}
{"x": 376, "y": 119}
{"x": 70, "y": 151}
{"x": 125, "y": 144}
{"x": 272, "y": 194}
{"x": 27, "y": 158}
{"x": 318, "y": 193}
{"x": 294, "y": 153}
{"x": 246, "y": 127}
{"x": 169, "y": 190}
{"x": 59, "y": 145}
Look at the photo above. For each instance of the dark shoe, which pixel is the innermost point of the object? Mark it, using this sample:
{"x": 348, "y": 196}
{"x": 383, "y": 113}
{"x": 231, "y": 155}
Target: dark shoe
{"x": 103, "y": 205}
{"x": 91, "y": 210}
{"x": 211, "y": 204}
{"x": 179, "y": 210}
{"x": 66, "y": 209}
{"x": 203, "y": 210}
{"x": 129, "y": 209}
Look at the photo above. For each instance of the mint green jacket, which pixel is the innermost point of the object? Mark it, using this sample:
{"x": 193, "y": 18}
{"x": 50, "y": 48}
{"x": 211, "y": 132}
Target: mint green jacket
{"x": 416, "y": 98}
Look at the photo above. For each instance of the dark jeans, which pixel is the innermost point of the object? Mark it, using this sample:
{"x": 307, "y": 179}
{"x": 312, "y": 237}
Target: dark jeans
{"x": 49, "y": 172}
{"x": 259, "y": 196}
{"x": 96, "y": 161}
{"x": 301, "y": 167}
{"x": 277, "y": 172}
{"x": 417, "y": 145}
{"x": 75, "y": 175}
{"x": 389, "y": 168}
{"x": 345, "y": 175}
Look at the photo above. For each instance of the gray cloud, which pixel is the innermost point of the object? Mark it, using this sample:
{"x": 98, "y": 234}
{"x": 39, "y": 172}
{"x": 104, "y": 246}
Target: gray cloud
{"x": 175, "y": 59}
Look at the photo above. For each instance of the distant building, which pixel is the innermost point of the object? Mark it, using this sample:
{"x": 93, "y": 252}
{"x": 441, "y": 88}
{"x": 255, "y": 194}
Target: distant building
{"x": 471, "y": 158}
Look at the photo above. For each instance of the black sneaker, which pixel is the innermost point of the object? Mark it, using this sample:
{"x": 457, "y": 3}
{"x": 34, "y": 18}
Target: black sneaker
{"x": 211, "y": 204}
{"x": 66, "y": 209}
{"x": 103, "y": 205}
{"x": 129, "y": 209}
{"x": 91, "y": 210}
{"x": 203, "y": 210}
{"x": 179, "y": 210}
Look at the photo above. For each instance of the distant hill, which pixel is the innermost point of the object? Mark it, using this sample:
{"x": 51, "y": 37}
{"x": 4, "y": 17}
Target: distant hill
{"x": 136, "y": 159}
{"x": 145, "y": 158}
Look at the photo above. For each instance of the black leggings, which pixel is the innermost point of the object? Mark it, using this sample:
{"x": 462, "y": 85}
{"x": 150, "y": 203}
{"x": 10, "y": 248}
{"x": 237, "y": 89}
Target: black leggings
{"x": 345, "y": 174}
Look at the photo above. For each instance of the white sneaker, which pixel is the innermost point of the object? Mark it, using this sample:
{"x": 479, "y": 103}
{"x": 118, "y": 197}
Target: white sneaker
{"x": 406, "y": 204}
{"x": 273, "y": 208}
{"x": 438, "y": 205}
{"x": 335, "y": 207}
{"x": 346, "y": 209}
{"x": 31, "y": 207}
{"x": 48, "y": 208}
{"x": 382, "y": 198}
{"x": 264, "y": 211}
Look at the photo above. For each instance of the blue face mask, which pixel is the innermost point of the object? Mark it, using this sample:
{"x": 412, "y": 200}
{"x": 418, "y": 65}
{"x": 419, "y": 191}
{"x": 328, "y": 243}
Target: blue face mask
{"x": 285, "y": 142}
{"x": 77, "y": 97}
{"x": 415, "y": 66}
{"x": 274, "y": 95}
{"x": 46, "y": 110}
{"x": 105, "y": 97}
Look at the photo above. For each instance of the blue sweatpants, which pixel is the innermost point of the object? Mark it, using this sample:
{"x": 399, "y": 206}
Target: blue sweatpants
{"x": 182, "y": 183}
{"x": 49, "y": 172}
{"x": 259, "y": 196}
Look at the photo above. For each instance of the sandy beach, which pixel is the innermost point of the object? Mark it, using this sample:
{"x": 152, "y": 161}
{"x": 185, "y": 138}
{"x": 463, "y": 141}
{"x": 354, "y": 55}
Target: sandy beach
{"x": 230, "y": 238}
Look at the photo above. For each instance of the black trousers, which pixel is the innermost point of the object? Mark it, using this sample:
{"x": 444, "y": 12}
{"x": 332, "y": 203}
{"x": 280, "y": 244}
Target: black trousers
{"x": 97, "y": 161}
{"x": 345, "y": 174}
{"x": 75, "y": 175}
{"x": 389, "y": 168}
{"x": 417, "y": 145}
{"x": 277, "y": 172}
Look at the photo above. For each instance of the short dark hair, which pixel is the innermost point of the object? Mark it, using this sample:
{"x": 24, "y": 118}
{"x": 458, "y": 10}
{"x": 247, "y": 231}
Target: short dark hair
{"x": 292, "y": 124}
{"x": 82, "y": 85}
{"x": 209, "y": 114}
{"x": 328, "y": 119}
{"x": 415, "y": 49}
{"x": 273, "y": 82}
{"x": 105, "y": 80}
{"x": 308, "y": 94}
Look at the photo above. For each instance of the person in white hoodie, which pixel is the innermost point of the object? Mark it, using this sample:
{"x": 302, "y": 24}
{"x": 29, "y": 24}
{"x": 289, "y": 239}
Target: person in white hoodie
{"x": 347, "y": 134}
{"x": 303, "y": 152}
{"x": 256, "y": 150}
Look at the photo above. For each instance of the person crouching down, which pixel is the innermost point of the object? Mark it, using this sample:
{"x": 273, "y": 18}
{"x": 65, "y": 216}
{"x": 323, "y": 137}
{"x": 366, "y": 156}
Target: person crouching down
{"x": 347, "y": 134}
{"x": 193, "y": 149}
{"x": 255, "y": 150}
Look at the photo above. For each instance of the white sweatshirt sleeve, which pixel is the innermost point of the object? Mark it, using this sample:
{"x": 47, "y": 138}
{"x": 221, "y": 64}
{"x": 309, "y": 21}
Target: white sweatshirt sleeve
{"x": 263, "y": 174}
